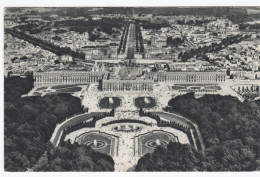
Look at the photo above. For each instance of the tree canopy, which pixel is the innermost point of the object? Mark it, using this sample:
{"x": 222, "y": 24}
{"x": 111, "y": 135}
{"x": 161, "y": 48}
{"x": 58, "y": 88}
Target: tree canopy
{"x": 73, "y": 157}
{"x": 230, "y": 130}
{"x": 175, "y": 157}
{"x": 29, "y": 124}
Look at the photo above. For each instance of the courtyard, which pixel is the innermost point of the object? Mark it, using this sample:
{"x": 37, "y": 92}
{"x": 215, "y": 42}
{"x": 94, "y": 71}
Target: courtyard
{"x": 136, "y": 135}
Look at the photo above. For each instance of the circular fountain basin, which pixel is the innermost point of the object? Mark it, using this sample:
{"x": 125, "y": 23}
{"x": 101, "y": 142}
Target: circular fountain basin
{"x": 98, "y": 145}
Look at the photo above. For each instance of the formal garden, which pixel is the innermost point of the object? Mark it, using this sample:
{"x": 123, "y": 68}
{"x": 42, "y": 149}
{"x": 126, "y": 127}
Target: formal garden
{"x": 145, "y": 102}
{"x": 109, "y": 102}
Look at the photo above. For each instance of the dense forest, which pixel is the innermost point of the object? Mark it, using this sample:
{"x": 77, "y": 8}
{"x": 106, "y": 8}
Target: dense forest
{"x": 14, "y": 87}
{"x": 230, "y": 130}
{"x": 73, "y": 157}
{"x": 29, "y": 124}
{"x": 92, "y": 27}
{"x": 176, "y": 157}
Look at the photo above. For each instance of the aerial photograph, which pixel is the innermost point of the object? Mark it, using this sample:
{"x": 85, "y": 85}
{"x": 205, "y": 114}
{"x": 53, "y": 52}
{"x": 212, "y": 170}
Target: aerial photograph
{"x": 131, "y": 89}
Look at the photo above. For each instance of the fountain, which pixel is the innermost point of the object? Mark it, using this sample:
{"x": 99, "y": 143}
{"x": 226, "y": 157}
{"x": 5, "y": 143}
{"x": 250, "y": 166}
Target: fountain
{"x": 146, "y": 100}
{"x": 158, "y": 143}
{"x": 111, "y": 101}
{"x": 155, "y": 143}
{"x": 95, "y": 143}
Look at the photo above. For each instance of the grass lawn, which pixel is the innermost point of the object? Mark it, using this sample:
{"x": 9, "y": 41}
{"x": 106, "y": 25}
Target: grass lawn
{"x": 71, "y": 89}
{"x": 42, "y": 88}
{"x": 63, "y": 86}
{"x": 152, "y": 136}
{"x": 89, "y": 137}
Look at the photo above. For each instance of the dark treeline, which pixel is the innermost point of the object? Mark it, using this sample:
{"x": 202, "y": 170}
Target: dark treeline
{"x": 233, "y": 12}
{"x": 230, "y": 130}
{"x": 193, "y": 22}
{"x": 236, "y": 14}
{"x": 212, "y": 48}
{"x": 122, "y": 38}
{"x": 156, "y": 25}
{"x": 208, "y": 11}
{"x": 243, "y": 17}
{"x": 86, "y": 11}
{"x": 47, "y": 45}
{"x": 139, "y": 38}
{"x": 249, "y": 26}
{"x": 29, "y": 124}
{"x": 125, "y": 38}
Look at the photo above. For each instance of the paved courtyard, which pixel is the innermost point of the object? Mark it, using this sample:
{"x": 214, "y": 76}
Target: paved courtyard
{"x": 127, "y": 154}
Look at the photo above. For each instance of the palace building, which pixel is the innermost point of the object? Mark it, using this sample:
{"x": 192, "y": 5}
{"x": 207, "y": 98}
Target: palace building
{"x": 66, "y": 77}
{"x": 131, "y": 81}
{"x": 189, "y": 76}
{"x": 127, "y": 85}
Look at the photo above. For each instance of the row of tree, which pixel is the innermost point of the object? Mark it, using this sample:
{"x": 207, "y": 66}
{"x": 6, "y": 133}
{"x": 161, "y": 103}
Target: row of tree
{"x": 211, "y": 48}
{"x": 125, "y": 38}
{"x": 139, "y": 38}
{"x": 47, "y": 45}
{"x": 122, "y": 39}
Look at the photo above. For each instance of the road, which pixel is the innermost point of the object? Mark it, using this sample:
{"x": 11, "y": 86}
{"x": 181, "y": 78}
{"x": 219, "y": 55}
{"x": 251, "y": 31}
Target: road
{"x": 130, "y": 44}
